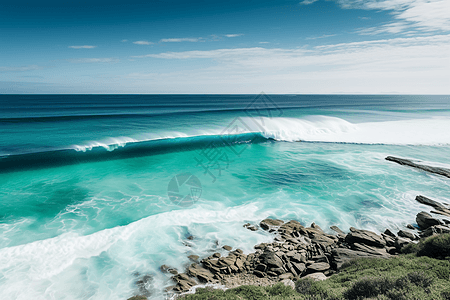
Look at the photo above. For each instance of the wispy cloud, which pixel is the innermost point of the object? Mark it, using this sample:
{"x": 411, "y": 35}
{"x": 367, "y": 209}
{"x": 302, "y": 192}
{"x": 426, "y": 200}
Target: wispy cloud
{"x": 124, "y": 41}
{"x": 423, "y": 15}
{"x": 307, "y": 2}
{"x": 94, "y": 60}
{"x": 406, "y": 65}
{"x": 234, "y": 35}
{"x": 142, "y": 43}
{"x": 178, "y": 40}
{"x": 320, "y": 37}
{"x": 264, "y": 42}
{"x": 82, "y": 47}
{"x": 21, "y": 69}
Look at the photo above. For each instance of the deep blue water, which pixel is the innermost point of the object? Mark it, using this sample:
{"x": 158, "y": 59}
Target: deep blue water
{"x": 84, "y": 179}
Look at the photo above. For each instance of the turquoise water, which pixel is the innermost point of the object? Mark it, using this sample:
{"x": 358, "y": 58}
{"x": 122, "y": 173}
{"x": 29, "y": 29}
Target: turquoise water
{"x": 84, "y": 206}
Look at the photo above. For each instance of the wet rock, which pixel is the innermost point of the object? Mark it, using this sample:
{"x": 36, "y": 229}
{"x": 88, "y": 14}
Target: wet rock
{"x": 425, "y": 220}
{"x": 268, "y": 224}
{"x": 409, "y": 226}
{"x": 193, "y": 257}
{"x": 138, "y": 298}
{"x": 183, "y": 282}
{"x": 407, "y": 234}
{"x": 389, "y": 233}
{"x": 191, "y": 237}
{"x": 167, "y": 269}
{"x": 435, "y": 170}
{"x": 202, "y": 274}
{"x": 319, "y": 276}
{"x": 252, "y": 228}
{"x": 365, "y": 237}
{"x": 143, "y": 284}
{"x": 228, "y": 248}
{"x": 339, "y": 232}
{"x": 428, "y": 201}
{"x": 216, "y": 255}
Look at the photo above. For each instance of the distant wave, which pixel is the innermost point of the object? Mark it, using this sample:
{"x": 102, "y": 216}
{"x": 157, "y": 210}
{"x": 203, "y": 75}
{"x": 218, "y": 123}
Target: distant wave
{"x": 256, "y": 130}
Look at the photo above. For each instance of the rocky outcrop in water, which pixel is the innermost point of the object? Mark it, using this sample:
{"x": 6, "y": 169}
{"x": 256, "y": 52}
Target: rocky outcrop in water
{"x": 406, "y": 162}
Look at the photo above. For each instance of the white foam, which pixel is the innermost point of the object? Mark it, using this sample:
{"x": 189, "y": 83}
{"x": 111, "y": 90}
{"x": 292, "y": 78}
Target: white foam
{"x": 330, "y": 129}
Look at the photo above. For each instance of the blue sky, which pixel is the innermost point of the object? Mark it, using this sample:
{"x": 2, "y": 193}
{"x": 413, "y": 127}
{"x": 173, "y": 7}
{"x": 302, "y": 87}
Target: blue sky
{"x": 299, "y": 47}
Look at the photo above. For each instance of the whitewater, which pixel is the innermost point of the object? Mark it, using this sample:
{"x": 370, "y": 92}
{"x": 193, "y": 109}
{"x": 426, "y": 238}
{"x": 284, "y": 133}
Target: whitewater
{"x": 84, "y": 206}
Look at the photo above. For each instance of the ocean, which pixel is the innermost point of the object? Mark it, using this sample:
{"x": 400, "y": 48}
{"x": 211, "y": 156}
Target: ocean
{"x": 98, "y": 191}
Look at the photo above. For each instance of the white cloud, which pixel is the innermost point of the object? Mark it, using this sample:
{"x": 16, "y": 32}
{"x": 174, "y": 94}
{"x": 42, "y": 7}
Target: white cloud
{"x": 142, "y": 43}
{"x": 21, "y": 69}
{"x": 307, "y": 2}
{"x": 82, "y": 47}
{"x": 415, "y": 65}
{"x": 178, "y": 40}
{"x": 264, "y": 42}
{"x": 94, "y": 60}
{"x": 424, "y": 15}
{"x": 125, "y": 40}
{"x": 233, "y": 35}
{"x": 320, "y": 37}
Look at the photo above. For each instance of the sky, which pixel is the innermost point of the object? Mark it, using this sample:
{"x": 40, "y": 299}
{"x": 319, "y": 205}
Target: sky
{"x": 227, "y": 47}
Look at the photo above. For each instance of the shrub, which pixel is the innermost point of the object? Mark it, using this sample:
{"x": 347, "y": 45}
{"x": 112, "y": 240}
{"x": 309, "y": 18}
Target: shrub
{"x": 437, "y": 246}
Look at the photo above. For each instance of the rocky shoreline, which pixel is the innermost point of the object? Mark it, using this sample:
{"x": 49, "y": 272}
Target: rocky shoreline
{"x": 305, "y": 252}
{"x": 298, "y": 251}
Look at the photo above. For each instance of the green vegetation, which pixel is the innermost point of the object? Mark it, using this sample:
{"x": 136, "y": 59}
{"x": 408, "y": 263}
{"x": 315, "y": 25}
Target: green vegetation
{"x": 404, "y": 277}
{"x": 437, "y": 246}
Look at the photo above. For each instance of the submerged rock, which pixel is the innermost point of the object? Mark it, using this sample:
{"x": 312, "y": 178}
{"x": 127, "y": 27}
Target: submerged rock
{"x": 406, "y": 162}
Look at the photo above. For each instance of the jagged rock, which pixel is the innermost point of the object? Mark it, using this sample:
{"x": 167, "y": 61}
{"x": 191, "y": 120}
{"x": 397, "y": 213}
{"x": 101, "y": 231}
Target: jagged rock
{"x": 296, "y": 256}
{"x": 445, "y": 213}
{"x": 391, "y": 250}
{"x": 428, "y": 201}
{"x": 285, "y": 276}
{"x": 407, "y": 234}
{"x": 268, "y": 224}
{"x": 323, "y": 240}
{"x": 389, "y": 233}
{"x": 228, "y": 248}
{"x": 319, "y": 276}
{"x": 365, "y": 237}
{"x": 342, "y": 255}
{"x": 140, "y": 297}
{"x": 202, "y": 274}
{"x": 339, "y": 232}
{"x": 425, "y": 220}
{"x": 191, "y": 237}
{"x": 259, "y": 274}
{"x": 271, "y": 260}
{"x": 184, "y": 283}
{"x": 435, "y": 170}
{"x": 317, "y": 227}
{"x": 318, "y": 267}
{"x": 390, "y": 241}
{"x": 194, "y": 257}
{"x": 370, "y": 249}
{"x": 216, "y": 255}
{"x": 401, "y": 242}
{"x": 409, "y": 226}
{"x": 436, "y": 229}
{"x": 252, "y": 228}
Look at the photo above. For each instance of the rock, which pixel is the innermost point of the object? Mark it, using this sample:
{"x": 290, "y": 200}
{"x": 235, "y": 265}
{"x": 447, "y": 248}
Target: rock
{"x": 271, "y": 260}
{"x": 268, "y": 224}
{"x": 428, "y": 201}
{"x": 365, "y": 237}
{"x": 390, "y": 241}
{"x": 191, "y": 237}
{"x": 391, "y": 250}
{"x": 338, "y": 230}
{"x": 216, "y": 255}
{"x": 401, "y": 242}
{"x": 194, "y": 257}
{"x": 296, "y": 256}
{"x": 323, "y": 240}
{"x": 140, "y": 297}
{"x": 319, "y": 276}
{"x": 389, "y": 233}
{"x": 437, "y": 229}
{"x": 288, "y": 282}
{"x": 184, "y": 283}
{"x": 285, "y": 276}
{"x": 298, "y": 267}
{"x": 167, "y": 269}
{"x": 259, "y": 274}
{"x": 252, "y": 228}
{"x": 228, "y": 248}
{"x": 435, "y": 170}
{"x": 407, "y": 234}
{"x": 315, "y": 226}
{"x": 318, "y": 267}
{"x": 370, "y": 249}
{"x": 425, "y": 220}
{"x": 202, "y": 274}
{"x": 342, "y": 255}
{"x": 409, "y": 226}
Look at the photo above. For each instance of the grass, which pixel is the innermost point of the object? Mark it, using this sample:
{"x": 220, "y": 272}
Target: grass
{"x": 404, "y": 277}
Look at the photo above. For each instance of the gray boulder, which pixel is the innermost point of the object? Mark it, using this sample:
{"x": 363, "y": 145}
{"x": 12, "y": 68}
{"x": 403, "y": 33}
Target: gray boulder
{"x": 425, "y": 220}
{"x": 365, "y": 237}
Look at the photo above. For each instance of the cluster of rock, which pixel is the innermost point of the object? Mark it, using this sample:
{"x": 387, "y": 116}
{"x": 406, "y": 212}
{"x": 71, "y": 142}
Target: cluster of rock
{"x": 299, "y": 251}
